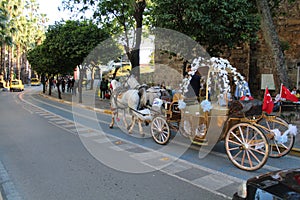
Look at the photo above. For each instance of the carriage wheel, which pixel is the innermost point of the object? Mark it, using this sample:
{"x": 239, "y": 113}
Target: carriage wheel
{"x": 277, "y": 149}
{"x": 246, "y": 147}
{"x": 160, "y": 130}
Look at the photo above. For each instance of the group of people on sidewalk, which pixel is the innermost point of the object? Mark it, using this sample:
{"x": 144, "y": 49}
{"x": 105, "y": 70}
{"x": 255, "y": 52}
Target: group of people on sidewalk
{"x": 60, "y": 84}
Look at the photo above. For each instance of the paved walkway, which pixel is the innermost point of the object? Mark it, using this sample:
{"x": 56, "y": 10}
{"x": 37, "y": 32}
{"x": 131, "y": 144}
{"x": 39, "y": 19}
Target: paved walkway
{"x": 89, "y": 99}
{"x": 103, "y": 105}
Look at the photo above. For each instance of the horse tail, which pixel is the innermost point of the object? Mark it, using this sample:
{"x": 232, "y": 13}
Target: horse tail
{"x": 143, "y": 97}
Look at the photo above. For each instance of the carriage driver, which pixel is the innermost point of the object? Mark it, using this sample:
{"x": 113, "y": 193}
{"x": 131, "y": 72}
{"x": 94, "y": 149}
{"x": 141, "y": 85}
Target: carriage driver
{"x": 195, "y": 82}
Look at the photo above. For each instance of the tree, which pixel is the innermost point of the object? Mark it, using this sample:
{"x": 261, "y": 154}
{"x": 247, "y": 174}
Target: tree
{"x": 41, "y": 63}
{"x": 66, "y": 46}
{"x": 117, "y": 16}
{"x": 218, "y": 24}
{"x": 7, "y": 30}
{"x": 272, "y": 40}
{"x": 24, "y": 27}
{"x": 4, "y": 27}
{"x": 213, "y": 24}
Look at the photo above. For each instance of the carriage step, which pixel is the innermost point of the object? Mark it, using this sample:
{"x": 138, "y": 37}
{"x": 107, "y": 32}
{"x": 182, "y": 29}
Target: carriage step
{"x": 199, "y": 141}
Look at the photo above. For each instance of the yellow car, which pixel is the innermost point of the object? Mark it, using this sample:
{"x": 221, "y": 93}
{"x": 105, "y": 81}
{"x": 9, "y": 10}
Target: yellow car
{"x": 16, "y": 85}
{"x": 123, "y": 71}
{"x": 35, "y": 82}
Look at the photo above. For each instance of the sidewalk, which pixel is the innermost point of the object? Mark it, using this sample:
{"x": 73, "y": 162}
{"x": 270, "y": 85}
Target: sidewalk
{"x": 92, "y": 101}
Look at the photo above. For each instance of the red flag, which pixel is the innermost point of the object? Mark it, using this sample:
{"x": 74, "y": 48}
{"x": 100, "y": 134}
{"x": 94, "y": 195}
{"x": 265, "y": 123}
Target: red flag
{"x": 286, "y": 94}
{"x": 268, "y": 103}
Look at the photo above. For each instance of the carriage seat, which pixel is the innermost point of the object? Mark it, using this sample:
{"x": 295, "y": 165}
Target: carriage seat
{"x": 239, "y": 108}
{"x": 173, "y": 105}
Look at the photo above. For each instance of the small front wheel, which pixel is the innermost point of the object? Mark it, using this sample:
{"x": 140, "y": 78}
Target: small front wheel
{"x": 246, "y": 147}
{"x": 160, "y": 130}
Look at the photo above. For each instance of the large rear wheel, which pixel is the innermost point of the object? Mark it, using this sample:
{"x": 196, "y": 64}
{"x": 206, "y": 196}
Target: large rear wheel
{"x": 246, "y": 147}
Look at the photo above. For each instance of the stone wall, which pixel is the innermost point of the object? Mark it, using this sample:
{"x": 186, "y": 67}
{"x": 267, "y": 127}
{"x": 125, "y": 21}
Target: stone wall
{"x": 288, "y": 29}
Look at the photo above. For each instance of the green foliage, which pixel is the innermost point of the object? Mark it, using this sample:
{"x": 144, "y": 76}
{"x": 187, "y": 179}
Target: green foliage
{"x": 5, "y": 30}
{"x": 117, "y": 16}
{"x": 285, "y": 45}
{"x": 214, "y": 24}
{"x": 66, "y": 46}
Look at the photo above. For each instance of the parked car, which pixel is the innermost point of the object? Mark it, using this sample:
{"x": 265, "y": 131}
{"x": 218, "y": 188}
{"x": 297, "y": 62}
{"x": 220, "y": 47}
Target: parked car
{"x": 16, "y": 85}
{"x": 35, "y": 82}
{"x": 277, "y": 185}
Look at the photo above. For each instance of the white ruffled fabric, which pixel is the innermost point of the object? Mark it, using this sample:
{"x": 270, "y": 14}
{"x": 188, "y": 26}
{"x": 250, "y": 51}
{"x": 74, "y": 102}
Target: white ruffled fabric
{"x": 282, "y": 138}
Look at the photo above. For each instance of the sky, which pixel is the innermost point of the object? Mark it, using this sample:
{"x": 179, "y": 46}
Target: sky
{"x": 50, "y": 8}
{"x": 53, "y": 14}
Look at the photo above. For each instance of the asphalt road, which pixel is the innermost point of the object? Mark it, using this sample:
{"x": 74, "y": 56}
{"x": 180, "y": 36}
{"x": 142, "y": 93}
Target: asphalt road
{"x": 57, "y": 150}
{"x": 42, "y": 160}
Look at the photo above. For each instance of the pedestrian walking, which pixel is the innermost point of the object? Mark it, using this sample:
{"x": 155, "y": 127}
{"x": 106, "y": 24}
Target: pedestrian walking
{"x": 58, "y": 83}
{"x": 103, "y": 88}
{"x": 63, "y": 84}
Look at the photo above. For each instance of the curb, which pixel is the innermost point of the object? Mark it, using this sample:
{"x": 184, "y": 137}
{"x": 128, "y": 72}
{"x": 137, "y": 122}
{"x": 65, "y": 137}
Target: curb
{"x": 105, "y": 111}
{"x": 7, "y": 187}
{"x": 295, "y": 152}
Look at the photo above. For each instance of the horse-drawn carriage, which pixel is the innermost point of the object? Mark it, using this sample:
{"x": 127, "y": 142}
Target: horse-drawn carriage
{"x": 250, "y": 136}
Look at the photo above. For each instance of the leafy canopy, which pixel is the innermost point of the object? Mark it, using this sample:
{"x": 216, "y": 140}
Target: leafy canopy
{"x": 213, "y": 24}
{"x": 66, "y": 46}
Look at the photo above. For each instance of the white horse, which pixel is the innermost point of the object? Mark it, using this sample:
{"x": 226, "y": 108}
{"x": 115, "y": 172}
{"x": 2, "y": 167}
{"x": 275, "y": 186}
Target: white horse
{"x": 129, "y": 96}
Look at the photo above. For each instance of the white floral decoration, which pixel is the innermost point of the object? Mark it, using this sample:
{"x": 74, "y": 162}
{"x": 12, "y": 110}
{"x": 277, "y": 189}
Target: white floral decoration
{"x": 181, "y": 104}
{"x": 206, "y": 105}
{"x": 220, "y": 68}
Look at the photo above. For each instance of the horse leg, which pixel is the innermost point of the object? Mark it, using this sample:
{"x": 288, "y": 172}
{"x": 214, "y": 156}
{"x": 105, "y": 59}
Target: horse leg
{"x": 112, "y": 120}
{"x": 140, "y": 127}
{"x": 124, "y": 118}
{"x": 130, "y": 128}
{"x": 131, "y": 122}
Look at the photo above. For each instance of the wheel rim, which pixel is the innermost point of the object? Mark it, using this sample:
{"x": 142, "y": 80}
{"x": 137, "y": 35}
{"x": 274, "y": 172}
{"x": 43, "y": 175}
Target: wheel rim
{"x": 277, "y": 149}
{"x": 247, "y": 147}
{"x": 160, "y": 130}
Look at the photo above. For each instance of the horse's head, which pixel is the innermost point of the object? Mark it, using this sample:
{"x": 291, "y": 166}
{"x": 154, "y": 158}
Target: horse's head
{"x": 131, "y": 82}
{"x": 115, "y": 84}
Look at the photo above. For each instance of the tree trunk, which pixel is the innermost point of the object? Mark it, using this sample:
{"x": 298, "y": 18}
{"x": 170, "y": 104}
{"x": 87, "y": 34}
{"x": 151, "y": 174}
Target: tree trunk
{"x": 272, "y": 40}
{"x": 18, "y": 58}
{"x": 10, "y": 65}
{"x": 81, "y": 72}
{"x": 92, "y": 78}
{"x": 134, "y": 55}
{"x": 3, "y": 63}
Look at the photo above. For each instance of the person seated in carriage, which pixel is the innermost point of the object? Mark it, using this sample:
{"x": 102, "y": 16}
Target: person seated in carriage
{"x": 242, "y": 91}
